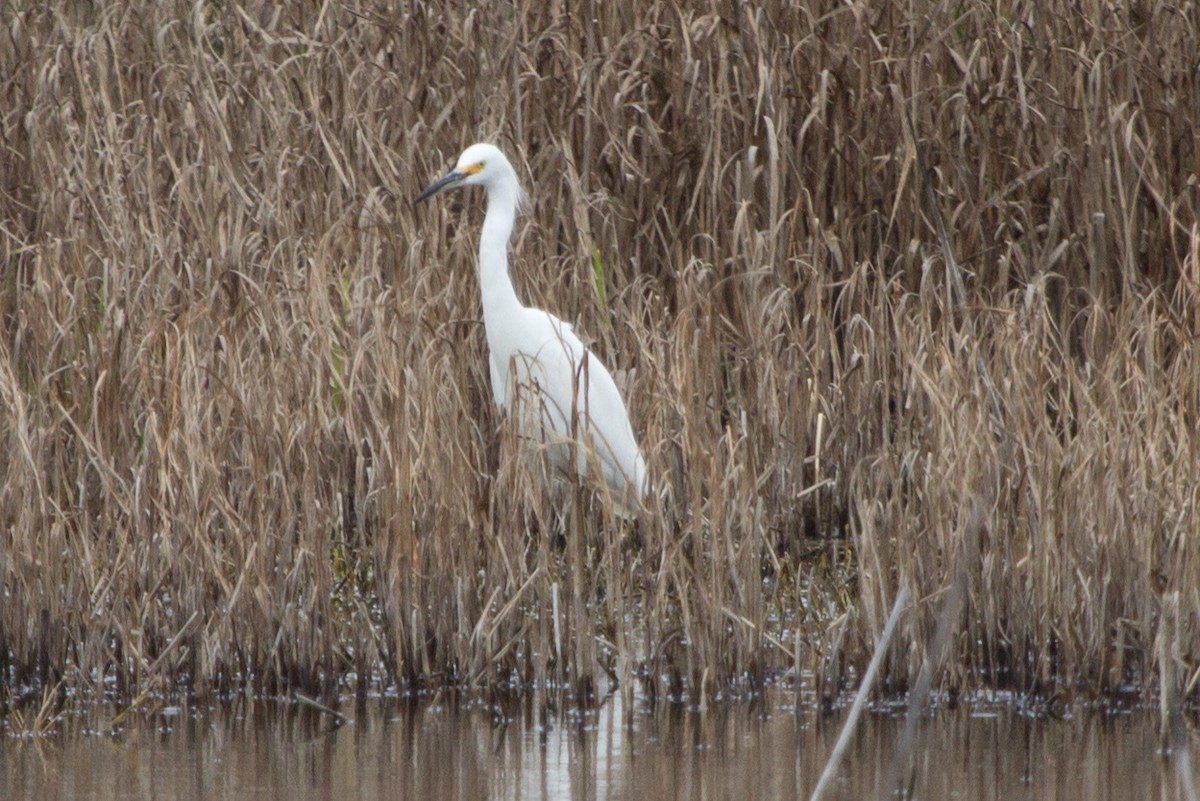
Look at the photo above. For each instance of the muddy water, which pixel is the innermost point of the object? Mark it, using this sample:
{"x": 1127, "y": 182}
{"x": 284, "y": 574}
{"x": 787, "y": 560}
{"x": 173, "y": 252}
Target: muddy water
{"x": 442, "y": 749}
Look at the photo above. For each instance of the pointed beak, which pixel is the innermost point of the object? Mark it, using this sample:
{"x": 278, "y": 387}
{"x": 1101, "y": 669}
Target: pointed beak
{"x": 449, "y": 182}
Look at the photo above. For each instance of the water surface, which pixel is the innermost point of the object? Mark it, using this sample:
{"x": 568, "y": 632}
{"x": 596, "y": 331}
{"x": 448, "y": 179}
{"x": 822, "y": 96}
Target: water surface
{"x": 626, "y": 749}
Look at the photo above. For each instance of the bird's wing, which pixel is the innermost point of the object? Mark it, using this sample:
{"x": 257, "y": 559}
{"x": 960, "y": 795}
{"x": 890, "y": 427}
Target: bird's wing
{"x": 575, "y": 379}
{"x": 542, "y": 372}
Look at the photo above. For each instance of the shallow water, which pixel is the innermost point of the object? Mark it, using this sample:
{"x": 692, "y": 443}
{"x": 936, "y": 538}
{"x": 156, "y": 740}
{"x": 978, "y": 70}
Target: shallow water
{"x": 442, "y": 749}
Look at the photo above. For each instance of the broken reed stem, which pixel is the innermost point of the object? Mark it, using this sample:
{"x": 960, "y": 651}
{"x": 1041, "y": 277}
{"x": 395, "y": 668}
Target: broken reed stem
{"x": 338, "y": 718}
{"x": 966, "y": 561}
{"x": 860, "y": 698}
{"x": 1173, "y": 733}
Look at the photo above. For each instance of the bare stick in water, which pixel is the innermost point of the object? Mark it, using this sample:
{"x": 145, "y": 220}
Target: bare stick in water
{"x": 860, "y": 700}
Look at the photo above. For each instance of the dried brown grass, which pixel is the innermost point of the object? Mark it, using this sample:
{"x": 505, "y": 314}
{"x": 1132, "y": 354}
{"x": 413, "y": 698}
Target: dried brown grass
{"x": 248, "y": 434}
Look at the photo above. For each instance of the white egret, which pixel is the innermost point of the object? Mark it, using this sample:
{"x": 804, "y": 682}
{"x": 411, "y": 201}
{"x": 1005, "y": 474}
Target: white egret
{"x": 540, "y": 370}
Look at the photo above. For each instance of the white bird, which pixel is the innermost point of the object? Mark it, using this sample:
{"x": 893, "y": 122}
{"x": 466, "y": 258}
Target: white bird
{"x": 540, "y": 370}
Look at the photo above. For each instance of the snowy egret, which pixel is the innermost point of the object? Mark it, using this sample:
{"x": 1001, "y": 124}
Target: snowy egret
{"x": 540, "y": 370}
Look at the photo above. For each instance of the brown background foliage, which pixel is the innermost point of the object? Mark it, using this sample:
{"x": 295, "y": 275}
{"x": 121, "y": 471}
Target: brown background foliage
{"x": 246, "y": 429}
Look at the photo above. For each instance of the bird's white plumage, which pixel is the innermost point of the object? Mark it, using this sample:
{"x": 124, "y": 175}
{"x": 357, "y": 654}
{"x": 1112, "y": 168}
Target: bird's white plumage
{"x": 540, "y": 370}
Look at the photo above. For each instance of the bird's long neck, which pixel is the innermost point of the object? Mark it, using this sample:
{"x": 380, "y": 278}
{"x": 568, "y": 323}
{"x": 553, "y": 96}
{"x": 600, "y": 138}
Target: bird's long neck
{"x": 496, "y": 288}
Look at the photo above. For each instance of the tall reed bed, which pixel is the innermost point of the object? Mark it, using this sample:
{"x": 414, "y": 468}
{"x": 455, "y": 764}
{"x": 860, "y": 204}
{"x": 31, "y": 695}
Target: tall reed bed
{"x": 247, "y": 432}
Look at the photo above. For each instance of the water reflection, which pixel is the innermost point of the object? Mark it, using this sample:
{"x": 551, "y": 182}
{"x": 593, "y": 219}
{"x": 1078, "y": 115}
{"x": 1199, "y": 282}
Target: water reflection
{"x": 446, "y": 749}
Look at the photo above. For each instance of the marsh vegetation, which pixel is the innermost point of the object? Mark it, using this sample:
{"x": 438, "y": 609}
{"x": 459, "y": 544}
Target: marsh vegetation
{"x": 247, "y": 434}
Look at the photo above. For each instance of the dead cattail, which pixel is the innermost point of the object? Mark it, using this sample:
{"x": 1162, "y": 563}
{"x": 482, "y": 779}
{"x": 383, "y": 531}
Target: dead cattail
{"x": 247, "y": 433}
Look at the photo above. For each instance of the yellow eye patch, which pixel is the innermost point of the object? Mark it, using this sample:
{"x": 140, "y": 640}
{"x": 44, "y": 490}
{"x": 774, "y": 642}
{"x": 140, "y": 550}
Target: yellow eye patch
{"x": 472, "y": 168}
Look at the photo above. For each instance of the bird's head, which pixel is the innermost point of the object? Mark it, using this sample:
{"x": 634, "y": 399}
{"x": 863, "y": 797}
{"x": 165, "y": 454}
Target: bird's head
{"x": 480, "y": 164}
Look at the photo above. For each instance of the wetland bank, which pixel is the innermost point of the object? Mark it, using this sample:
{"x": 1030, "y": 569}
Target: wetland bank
{"x": 899, "y": 297}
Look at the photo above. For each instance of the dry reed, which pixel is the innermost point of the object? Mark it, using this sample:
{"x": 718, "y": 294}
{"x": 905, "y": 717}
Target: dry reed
{"x": 247, "y": 430}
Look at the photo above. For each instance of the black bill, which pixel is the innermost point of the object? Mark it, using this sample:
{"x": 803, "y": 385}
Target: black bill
{"x": 448, "y": 182}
